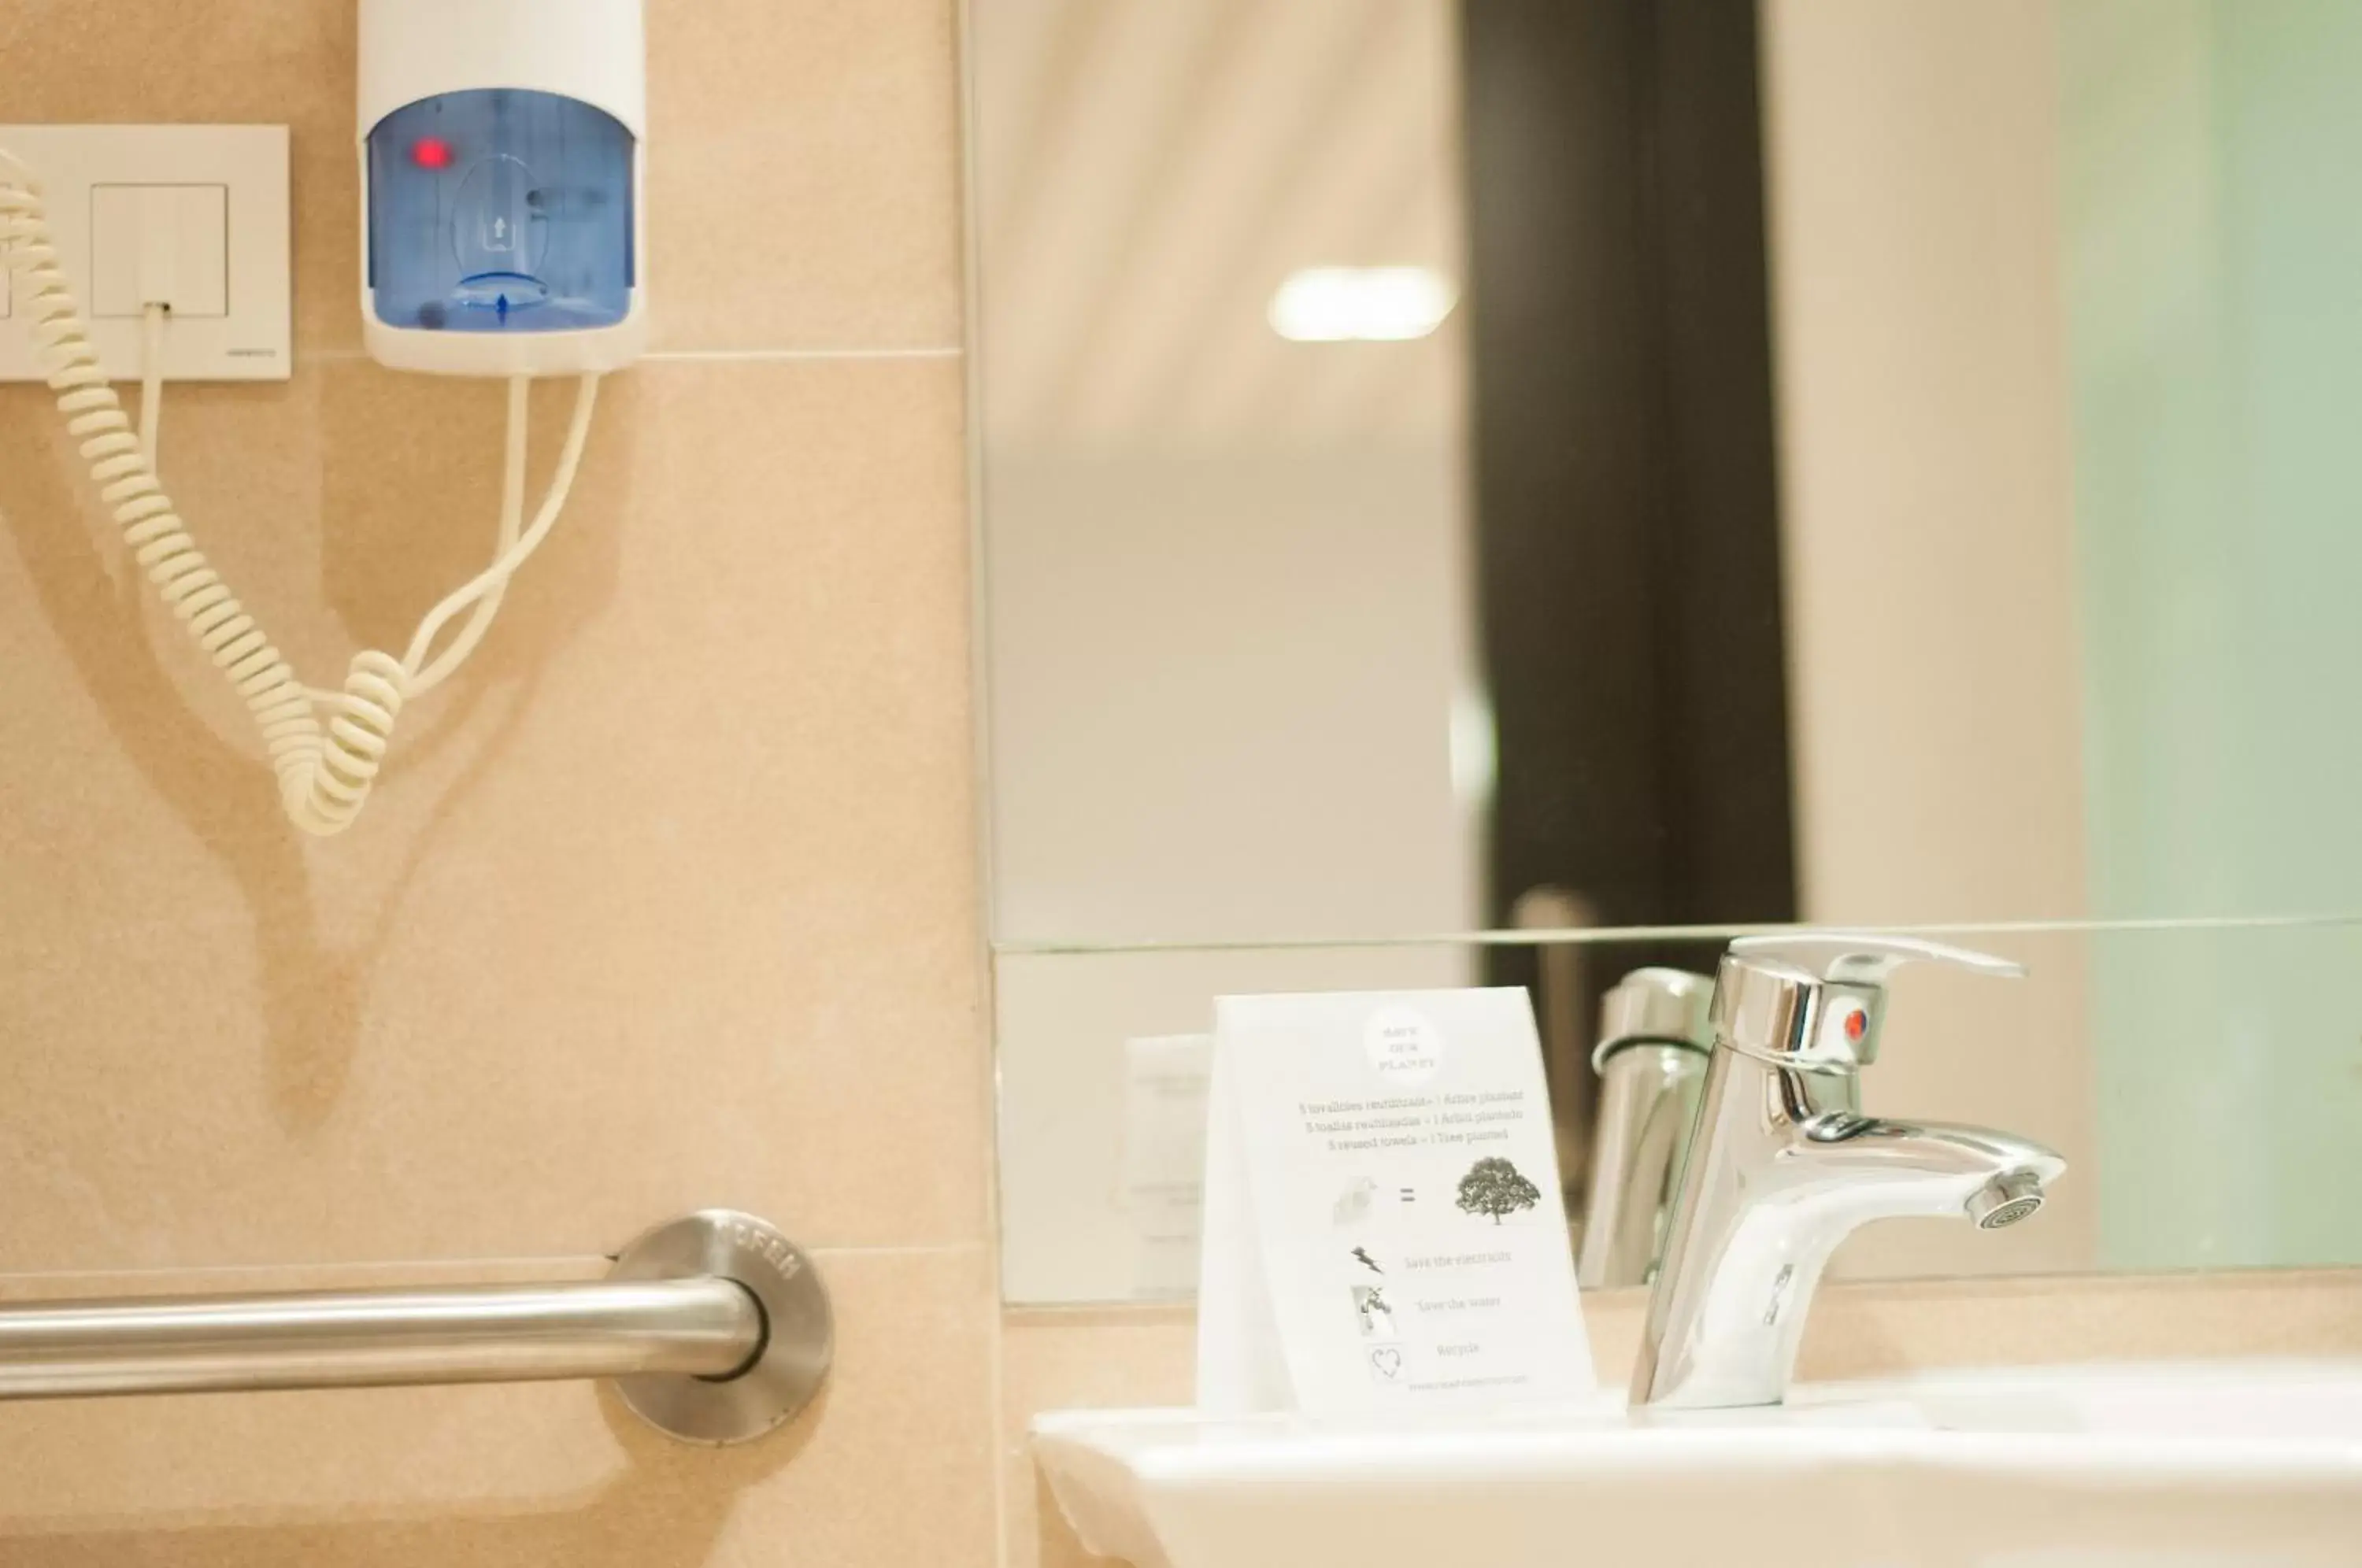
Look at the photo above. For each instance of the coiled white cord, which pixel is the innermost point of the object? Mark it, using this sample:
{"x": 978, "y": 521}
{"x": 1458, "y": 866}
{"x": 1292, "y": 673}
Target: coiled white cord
{"x": 325, "y": 770}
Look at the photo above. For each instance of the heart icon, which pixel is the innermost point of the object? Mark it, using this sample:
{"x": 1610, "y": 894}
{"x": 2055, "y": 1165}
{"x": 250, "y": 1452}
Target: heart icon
{"x": 1387, "y": 1363}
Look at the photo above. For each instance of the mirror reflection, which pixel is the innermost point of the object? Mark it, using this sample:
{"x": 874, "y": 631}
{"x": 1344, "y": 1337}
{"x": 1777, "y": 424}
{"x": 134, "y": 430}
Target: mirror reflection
{"x": 1454, "y": 467}
{"x": 2204, "y": 1102}
{"x": 1656, "y": 469}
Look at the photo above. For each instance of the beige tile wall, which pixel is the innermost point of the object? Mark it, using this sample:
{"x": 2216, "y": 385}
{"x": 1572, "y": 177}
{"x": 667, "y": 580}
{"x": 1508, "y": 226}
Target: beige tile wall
{"x": 669, "y": 900}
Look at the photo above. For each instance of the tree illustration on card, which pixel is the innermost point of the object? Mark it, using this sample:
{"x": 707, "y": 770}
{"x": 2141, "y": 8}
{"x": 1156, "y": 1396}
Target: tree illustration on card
{"x": 1495, "y": 1187}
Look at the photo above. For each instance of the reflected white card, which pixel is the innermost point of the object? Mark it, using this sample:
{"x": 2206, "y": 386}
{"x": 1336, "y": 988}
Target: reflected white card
{"x": 1165, "y": 1079}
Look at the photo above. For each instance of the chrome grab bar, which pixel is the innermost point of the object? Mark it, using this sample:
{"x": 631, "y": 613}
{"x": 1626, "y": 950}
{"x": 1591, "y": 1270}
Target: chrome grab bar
{"x": 716, "y": 1327}
{"x": 359, "y": 1339}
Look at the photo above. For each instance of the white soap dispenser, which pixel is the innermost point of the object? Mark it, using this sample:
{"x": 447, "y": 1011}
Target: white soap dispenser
{"x": 503, "y": 154}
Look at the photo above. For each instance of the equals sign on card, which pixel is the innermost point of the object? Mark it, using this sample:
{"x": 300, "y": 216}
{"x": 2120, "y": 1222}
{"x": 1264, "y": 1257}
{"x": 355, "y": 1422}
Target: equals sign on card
{"x": 1410, "y": 1194}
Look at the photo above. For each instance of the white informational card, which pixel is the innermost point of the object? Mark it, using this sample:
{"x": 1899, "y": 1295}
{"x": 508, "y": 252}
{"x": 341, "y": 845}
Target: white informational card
{"x": 1383, "y": 1230}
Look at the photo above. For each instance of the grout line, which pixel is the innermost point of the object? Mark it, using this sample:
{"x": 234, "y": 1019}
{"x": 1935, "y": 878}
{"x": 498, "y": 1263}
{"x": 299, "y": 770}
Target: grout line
{"x": 704, "y": 355}
{"x": 1099, "y": 1314}
{"x": 357, "y": 1266}
{"x": 729, "y": 355}
{"x": 915, "y": 1250}
{"x": 552, "y": 1261}
{"x": 1004, "y": 1456}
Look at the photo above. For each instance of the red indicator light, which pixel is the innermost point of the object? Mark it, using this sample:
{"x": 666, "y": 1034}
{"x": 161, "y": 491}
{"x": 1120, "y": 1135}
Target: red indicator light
{"x": 1856, "y": 1024}
{"x": 431, "y": 152}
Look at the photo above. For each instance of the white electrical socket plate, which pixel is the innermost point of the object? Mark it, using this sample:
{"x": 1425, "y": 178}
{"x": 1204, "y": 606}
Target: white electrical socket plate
{"x": 239, "y": 325}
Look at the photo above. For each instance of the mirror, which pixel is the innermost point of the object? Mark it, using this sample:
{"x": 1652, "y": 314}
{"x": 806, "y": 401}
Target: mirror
{"x": 2204, "y": 1081}
{"x": 1622, "y": 473}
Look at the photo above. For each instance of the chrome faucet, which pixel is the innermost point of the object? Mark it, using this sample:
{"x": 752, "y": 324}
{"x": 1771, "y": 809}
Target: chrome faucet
{"x": 1784, "y": 1166}
{"x": 1652, "y": 1057}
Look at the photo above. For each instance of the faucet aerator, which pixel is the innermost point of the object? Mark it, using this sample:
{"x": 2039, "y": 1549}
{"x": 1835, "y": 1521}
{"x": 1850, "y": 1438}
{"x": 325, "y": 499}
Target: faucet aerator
{"x": 2005, "y": 1200}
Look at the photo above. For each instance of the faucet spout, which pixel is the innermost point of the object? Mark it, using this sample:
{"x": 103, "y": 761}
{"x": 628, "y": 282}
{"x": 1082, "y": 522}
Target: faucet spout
{"x": 1883, "y": 1169}
{"x": 1771, "y": 1200}
{"x": 1784, "y": 1166}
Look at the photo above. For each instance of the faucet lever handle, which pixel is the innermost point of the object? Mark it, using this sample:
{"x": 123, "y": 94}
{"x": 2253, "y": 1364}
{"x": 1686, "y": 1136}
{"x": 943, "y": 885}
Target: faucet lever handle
{"x": 1815, "y": 999}
{"x": 1860, "y": 959}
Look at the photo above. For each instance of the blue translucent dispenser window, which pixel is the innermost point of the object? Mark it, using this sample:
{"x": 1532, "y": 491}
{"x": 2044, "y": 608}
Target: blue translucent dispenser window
{"x": 497, "y": 210}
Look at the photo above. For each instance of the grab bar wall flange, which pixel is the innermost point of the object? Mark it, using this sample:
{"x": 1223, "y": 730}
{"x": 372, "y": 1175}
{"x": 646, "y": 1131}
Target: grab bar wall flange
{"x": 715, "y": 1326}
{"x": 798, "y": 1327}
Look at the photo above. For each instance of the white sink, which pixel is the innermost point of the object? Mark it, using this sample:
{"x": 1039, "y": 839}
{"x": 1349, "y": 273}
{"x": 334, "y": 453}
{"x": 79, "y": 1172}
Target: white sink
{"x": 2218, "y": 1464}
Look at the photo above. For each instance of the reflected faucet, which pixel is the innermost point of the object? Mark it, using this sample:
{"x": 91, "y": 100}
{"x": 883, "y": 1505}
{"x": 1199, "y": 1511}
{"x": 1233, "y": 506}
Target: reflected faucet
{"x": 1784, "y": 1166}
{"x": 1652, "y": 1060}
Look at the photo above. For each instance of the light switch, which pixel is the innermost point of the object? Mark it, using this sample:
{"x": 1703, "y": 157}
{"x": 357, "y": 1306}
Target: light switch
{"x": 212, "y": 200}
{"x": 166, "y": 244}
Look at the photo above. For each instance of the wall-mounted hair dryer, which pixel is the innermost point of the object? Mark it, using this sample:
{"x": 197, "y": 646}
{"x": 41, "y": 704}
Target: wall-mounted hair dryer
{"x": 501, "y": 161}
{"x": 502, "y": 167}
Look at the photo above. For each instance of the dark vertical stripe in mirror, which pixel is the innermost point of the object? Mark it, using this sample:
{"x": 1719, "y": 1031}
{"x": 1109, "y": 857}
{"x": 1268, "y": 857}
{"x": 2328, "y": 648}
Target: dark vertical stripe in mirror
{"x": 1626, "y": 491}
